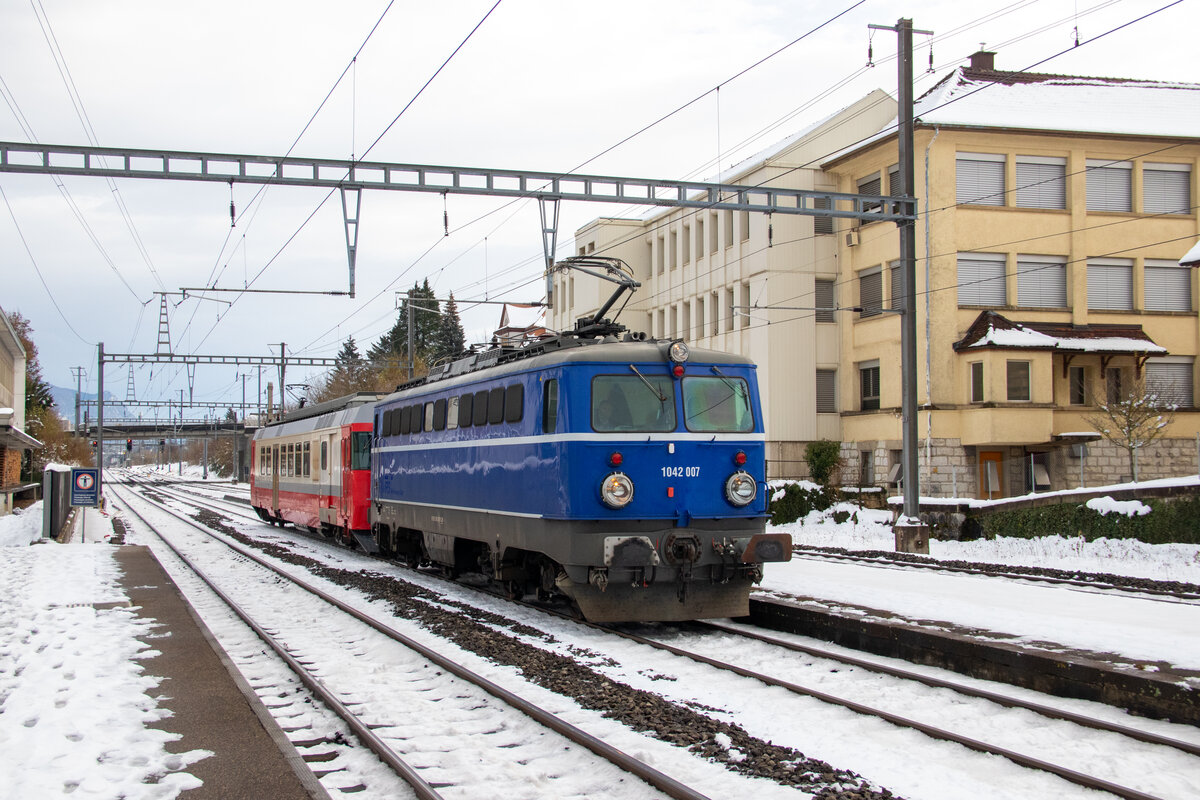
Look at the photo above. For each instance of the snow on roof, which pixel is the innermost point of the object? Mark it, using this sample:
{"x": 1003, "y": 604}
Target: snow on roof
{"x": 995, "y": 330}
{"x": 986, "y": 98}
{"x": 522, "y": 317}
{"x": 1192, "y": 257}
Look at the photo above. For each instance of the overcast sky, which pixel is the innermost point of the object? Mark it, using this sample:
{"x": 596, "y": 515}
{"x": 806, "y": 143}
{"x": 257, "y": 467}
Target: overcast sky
{"x": 540, "y": 85}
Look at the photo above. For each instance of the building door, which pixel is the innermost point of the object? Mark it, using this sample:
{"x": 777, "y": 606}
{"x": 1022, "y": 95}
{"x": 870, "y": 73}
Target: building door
{"x": 991, "y": 474}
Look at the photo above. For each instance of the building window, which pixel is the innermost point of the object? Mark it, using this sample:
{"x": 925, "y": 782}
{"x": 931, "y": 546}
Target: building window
{"x": 1077, "y": 386}
{"x": 826, "y": 391}
{"x": 825, "y": 301}
{"x": 1041, "y": 281}
{"x": 714, "y": 302}
{"x": 1018, "y": 381}
{"x": 896, "y": 286}
{"x": 687, "y": 244}
{"x": 870, "y": 185}
{"x": 979, "y": 179}
{"x": 1109, "y": 185}
{"x": 700, "y": 333}
{"x": 870, "y": 292}
{"x": 1170, "y": 380}
{"x": 1168, "y": 286}
{"x": 730, "y": 302}
{"x": 976, "y": 381}
{"x": 866, "y": 471}
{"x": 868, "y": 381}
{"x": 714, "y": 241}
{"x": 1041, "y": 182}
{"x": 662, "y": 324}
{"x": 744, "y": 222}
{"x": 729, "y": 228}
{"x": 662, "y": 255}
{"x": 822, "y": 224}
{"x": 981, "y": 279}
{"x": 674, "y": 254}
{"x": 1110, "y": 284}
{"x": 1166, "y": 189}
{"x": 699, "y": 237}
{"x": 1116, "y": 384}
{"x": 746, "y": 303}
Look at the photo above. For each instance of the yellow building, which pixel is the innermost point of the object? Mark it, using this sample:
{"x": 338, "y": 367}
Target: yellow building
{"x": 1053, "y": 213}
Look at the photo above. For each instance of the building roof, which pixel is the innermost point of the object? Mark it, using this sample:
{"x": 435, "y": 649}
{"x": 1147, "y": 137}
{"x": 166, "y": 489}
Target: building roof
{"x": 979, "y": 96}
{"x": 993, "y": 330}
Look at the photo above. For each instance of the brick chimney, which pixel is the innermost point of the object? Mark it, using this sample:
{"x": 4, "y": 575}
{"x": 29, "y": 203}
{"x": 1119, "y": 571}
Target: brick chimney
{"x": 983, "y": 60}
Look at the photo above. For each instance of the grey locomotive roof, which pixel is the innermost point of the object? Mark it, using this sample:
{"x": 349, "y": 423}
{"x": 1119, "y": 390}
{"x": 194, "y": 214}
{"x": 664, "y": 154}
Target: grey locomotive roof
{"x": 562, "y": 350}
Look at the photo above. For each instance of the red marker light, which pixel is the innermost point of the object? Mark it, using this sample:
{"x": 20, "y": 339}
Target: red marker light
{"x": 615, "y": 460}
{"x": 678, "y": 370}
{"x": 670, "y": 491}
{"x": 740, "y": 458}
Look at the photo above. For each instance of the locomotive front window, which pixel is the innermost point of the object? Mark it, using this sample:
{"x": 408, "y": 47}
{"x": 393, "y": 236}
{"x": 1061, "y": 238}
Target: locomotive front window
{"x": 717, "y": 405}
{"x": 627, "y": 403}
{"x": 360, "y": 450}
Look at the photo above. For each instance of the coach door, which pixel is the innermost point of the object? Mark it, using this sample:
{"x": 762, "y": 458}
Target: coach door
{"x": 275, "y": 478}
{"x": 328, "y": 485}
{"x": 344, "y": 494}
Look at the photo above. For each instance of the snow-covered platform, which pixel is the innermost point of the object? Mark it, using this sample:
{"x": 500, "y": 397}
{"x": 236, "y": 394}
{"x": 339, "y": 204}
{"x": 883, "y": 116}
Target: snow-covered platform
{"x": 1126, "y": 651}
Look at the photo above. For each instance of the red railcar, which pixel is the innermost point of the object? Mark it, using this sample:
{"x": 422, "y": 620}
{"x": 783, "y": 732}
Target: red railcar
{"x": 313, "y": 469}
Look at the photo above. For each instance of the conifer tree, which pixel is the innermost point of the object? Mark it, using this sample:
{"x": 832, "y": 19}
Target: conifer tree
{"x": 451, "y": 338}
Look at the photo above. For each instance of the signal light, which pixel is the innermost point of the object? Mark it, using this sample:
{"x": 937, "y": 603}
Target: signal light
{"x": 615, "y": 459}
{"x": 128, "y": 445}
{"x": 739, "y": 458}
{"x": 678, "y": 370}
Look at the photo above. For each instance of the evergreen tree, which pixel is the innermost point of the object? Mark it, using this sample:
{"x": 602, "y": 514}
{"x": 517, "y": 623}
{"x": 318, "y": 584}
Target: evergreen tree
{"x": 393, "y": 345}
{"x": 450, "y": 336}
{"x": 37, "y": 392}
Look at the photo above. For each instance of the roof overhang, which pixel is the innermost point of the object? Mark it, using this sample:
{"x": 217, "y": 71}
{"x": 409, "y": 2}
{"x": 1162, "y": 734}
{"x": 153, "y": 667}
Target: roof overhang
{"x": 991, "y": 330}
{"x": 14, "y": 437}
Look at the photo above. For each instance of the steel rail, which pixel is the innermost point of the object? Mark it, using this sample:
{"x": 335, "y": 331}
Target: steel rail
{"x": 373, "y": 742}
{"x": 661, "y": 781}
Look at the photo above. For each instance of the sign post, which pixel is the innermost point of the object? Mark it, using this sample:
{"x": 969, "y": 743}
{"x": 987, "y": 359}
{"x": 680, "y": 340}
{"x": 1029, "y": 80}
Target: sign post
{"x": 85, "y": 485}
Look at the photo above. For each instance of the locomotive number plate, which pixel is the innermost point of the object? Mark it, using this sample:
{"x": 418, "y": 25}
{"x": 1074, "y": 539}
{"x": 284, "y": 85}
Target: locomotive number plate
{"x": 681, "y": 472}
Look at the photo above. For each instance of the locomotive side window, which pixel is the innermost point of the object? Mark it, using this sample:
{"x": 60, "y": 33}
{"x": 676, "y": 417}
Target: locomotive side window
{"x": 360, "y": 450}
{"x": 417, "y": 421}
{"x": 439, "y": 414}
{"x": 427, "y": 414}
{"x": 514, "y": 402}
{"x": 405, "y": 419}
{"x": 717, "y": 405}
{"x": 550, "y": 406}
{"x": 452, "y": 413}
{"x": 496, "y": 405}
{"x": 394, "y": 425}
{"x": 627, "y": 403}
{"x": 480, "y": 415}
{"x": 465, "y": 406}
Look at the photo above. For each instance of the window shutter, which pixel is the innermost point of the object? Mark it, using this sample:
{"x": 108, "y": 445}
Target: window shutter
{"x": 1041, "y": 182}
{"x": 1168, "y": 286}
{"x": 826, "y": 391}
{"x": 1042, "y": 281}
{"x": 980, "y": 179}
{"x": 1166, "y": 189}
{"x": 1171, "y": 381}
{"x": 822, "y": 224}
{"x": 825, "y": 301}
{"x": 981, "y": 280}
{"x": 870, "y": 292}
{"x": 1109, "y": 185}
{"x": 870, "y": 185}
{"x": 1110, "y": 284}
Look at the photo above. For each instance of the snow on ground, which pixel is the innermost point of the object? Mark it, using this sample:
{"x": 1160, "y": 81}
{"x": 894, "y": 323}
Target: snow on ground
{"x": 74, "y": 707}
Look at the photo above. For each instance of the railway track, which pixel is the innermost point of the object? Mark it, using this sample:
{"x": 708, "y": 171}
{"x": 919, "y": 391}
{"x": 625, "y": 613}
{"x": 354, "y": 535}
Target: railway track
{"x": 1048, "y": 755}
{"x": 1166, "y": 591}
{"x": 380, "y": 713}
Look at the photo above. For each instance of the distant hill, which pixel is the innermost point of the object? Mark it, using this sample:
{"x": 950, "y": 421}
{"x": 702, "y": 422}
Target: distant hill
{"x": 64, "y": 401}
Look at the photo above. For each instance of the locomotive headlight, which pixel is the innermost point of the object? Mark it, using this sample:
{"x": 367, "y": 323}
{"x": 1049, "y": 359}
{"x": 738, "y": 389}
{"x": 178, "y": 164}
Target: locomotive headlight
{"x": 616, "y": 490}
{"x": 740, "y": 489}
{"x": 678, "y": 352}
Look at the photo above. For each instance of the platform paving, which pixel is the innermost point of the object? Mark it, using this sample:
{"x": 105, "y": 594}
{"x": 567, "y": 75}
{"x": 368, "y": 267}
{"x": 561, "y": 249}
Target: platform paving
{"x": 213, "y": 708}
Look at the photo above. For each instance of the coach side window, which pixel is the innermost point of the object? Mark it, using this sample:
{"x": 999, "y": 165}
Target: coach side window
{"x": 307, "y": 463}
{"x": 550, "y": 406}
{"x": 324, "y": 456}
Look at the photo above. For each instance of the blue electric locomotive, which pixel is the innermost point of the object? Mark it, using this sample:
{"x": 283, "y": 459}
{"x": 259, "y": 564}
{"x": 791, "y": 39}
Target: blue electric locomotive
{"x": 625, "y": 473}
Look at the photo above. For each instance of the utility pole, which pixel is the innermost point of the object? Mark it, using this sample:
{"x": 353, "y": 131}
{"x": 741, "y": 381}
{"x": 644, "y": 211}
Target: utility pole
{"x": 282, "y": 385}
{"x": 910, "y": 534}
{"x": 410, "y": 310}
{"x": 78, "y": 372}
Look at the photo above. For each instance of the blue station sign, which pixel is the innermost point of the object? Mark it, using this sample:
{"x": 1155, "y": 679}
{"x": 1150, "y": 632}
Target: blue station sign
{"x": 83, "y": 487}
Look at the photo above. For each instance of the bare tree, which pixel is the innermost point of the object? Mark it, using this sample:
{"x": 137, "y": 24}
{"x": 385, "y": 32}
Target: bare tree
{"x": 1135, "y": 419}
